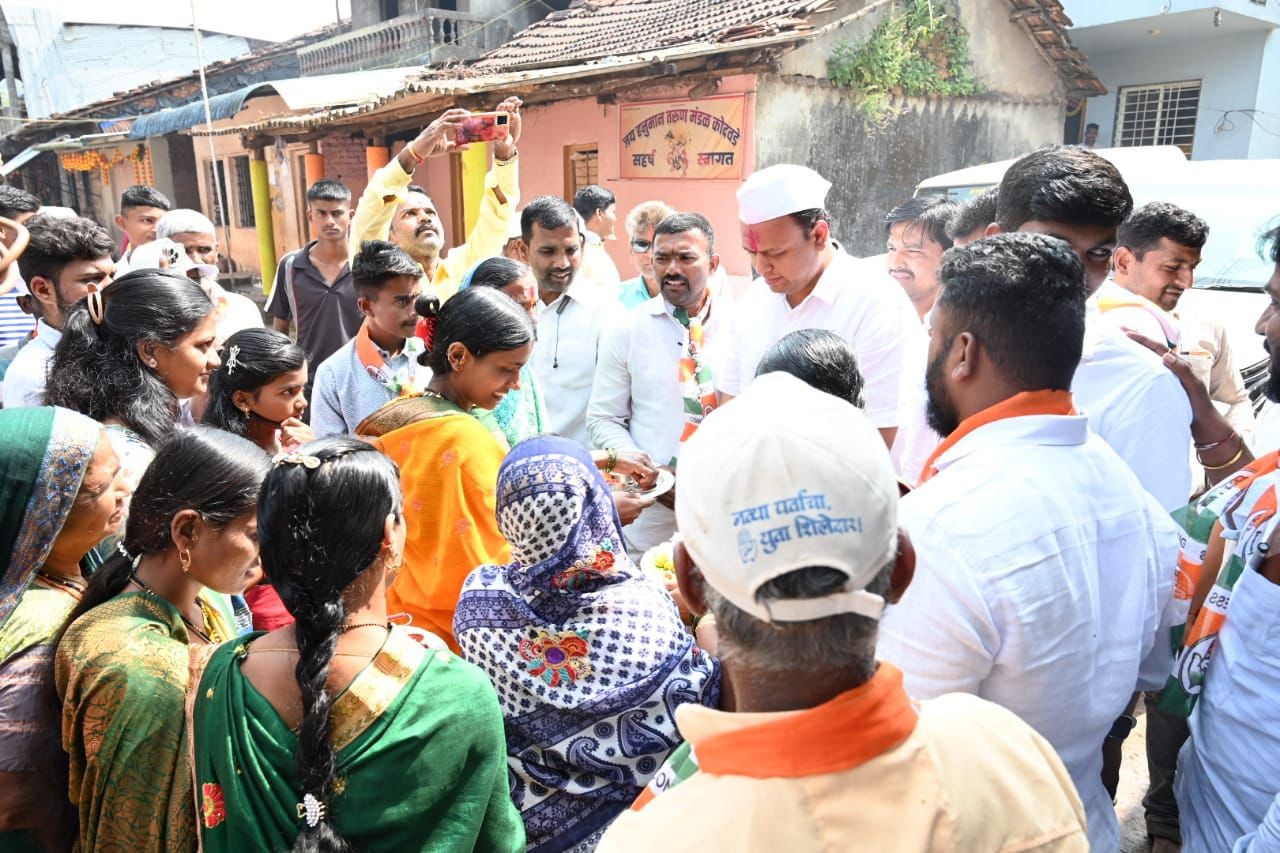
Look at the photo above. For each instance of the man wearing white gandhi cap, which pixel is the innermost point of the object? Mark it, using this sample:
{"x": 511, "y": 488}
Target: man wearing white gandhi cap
{"x": 809, "y": 282}
{"x": 790, "y": 539}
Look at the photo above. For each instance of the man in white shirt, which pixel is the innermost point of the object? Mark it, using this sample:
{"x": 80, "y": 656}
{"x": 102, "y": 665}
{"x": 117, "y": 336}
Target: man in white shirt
{"x": 572, "y": 315}
{"x": 65, "y": 256}
{"x": 192, "y": 230}
{"x": 1044, "y": 571}
{"x": 1157, "y": 252}
{"x": 659, "y": 363}
{"x": 810, "y": 283}
{"x": 598, "y": 208}
{"x": 916, "y": 234}
{"x": 1132, "y": 401}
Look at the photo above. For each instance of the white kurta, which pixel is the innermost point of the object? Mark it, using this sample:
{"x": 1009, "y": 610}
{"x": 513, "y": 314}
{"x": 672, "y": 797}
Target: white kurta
{"x": 1043, "y": 583}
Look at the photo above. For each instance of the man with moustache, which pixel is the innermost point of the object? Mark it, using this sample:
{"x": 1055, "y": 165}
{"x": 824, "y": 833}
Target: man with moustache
{"x": 655, "y": 379}
{"x": 392, "y": 209}
{"x": 572, "y": 315}
{"x": 917, "y": 237}
{"x": 809, "y": 282}
{"x": 1044, "y": 570}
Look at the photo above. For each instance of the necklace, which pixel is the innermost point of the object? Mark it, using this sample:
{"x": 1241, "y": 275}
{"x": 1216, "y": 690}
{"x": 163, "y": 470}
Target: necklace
{"x": 75, "y": 589}
{"x": 346, "y": 628}
{"x": 190, "y": 625}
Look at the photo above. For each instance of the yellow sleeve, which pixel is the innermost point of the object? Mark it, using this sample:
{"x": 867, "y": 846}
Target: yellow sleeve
{"x": 372, "y": 220}
{"x": 501, "y": 197}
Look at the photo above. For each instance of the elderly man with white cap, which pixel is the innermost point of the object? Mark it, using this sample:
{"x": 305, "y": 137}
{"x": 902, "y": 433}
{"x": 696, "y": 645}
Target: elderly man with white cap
{"x": 191, "y": 247}
{"x": 809, "y": 282}
{"x": 790, "y": 540}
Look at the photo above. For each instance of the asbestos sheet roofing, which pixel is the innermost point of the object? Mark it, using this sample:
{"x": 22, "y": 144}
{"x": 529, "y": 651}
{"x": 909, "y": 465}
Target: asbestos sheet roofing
{"x": 330, "y": 90}
{"x": 591, "y": 29}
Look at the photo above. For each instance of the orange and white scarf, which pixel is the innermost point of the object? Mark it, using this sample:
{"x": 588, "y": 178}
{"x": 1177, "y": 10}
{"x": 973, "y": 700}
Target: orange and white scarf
{"x": 375, "y": 365}
{"x": 1017, "y": 406}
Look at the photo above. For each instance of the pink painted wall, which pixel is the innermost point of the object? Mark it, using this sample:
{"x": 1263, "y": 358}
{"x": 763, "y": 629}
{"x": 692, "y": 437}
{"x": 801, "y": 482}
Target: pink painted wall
{"x": 548, "y": 129}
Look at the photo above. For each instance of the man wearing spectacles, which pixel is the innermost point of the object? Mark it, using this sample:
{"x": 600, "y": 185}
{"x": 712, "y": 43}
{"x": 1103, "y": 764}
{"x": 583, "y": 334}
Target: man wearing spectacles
{"x": 641, "y": 221}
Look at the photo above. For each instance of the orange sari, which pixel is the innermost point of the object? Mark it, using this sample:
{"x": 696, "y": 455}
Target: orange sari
{"x": 449, "y": 472}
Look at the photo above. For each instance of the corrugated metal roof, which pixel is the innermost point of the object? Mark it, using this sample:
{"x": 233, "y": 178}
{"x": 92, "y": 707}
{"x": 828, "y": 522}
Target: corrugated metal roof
{"x": 189, "y": 115}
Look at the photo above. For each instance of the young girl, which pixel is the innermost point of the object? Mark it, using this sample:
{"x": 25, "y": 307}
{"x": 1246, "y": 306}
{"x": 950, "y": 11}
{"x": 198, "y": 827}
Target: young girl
{"x": 259, "y": 391}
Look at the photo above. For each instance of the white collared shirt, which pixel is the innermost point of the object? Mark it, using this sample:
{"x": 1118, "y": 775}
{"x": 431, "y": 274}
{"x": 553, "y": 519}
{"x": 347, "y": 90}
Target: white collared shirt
{"x": 28, "y": 374}
{"x": 570, "y": 331}
{"x": 637, "y": 402}
{"x": 855, "y": 299}
{"x": 1137, "y": 406}
{"x": 1043, "y": 583}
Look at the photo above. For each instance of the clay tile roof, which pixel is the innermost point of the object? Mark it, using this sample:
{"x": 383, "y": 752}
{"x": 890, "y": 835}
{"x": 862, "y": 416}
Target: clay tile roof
{"x": 1047, "y": 23}
{"x": 591, "y": 29}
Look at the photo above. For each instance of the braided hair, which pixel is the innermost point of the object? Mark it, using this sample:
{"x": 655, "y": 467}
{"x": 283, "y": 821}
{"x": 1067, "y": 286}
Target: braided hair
{"x": 321, "y": 519}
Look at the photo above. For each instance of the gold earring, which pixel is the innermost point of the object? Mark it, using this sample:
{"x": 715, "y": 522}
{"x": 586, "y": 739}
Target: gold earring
{"x": 184, "y": 557}
{"x": 152, "y": 364}
{"x": 395, "y": 566}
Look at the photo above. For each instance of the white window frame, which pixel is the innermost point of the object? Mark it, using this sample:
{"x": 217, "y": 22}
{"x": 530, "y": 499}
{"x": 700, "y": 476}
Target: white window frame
{"x": 1161, "y": 99}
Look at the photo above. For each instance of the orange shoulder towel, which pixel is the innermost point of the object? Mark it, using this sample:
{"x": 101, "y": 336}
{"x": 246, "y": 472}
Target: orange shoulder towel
{"x": 1017, "y": 406}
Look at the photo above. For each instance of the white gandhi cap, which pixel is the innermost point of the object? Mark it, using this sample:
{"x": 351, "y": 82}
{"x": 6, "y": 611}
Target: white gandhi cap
{"x": 780, "y": 190}
{"x": 785, "y": 477}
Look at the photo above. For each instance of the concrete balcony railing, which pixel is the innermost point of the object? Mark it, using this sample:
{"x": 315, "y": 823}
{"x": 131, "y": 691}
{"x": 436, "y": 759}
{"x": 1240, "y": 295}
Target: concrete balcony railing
{"x": 415, "y": 39}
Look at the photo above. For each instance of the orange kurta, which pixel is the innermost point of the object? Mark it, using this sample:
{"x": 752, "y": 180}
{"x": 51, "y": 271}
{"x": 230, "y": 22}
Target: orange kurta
{"x": 449, "y": 474}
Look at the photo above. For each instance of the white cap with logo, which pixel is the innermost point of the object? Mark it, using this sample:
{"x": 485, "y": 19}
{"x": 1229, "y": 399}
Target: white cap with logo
{"x": 780, "y": 190}
{"x": 785, "y": 477}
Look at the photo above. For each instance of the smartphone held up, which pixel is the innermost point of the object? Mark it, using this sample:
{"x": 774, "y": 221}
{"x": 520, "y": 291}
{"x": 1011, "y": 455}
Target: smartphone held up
{"x": 482, "y": 127}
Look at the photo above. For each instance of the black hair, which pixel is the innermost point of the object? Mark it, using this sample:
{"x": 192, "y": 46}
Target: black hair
{"x": 1269, "y": 244}
{"x": 1022, "y": 296}
{"x": 1092, "y": 124}
{"x": 498, "y": 272}
{"x": 261, "y": 356}
{"x": 377, "y": 262}
{"x": 591, "y": 199}
{"x": 320, "y": 529}
{"x": 809, "y": 219}
{"x": 57, "y": 241}
{"x": 931, "y": 212}
{"x": 96, "y": 369}
{"x": 328, "y": 190}
{"x": 414, "y": 188}
{"x": 15, "y": 201}
{"x": 550, "y": 212}
{"x": 482, "y": 319}
{"x": 1142, "y": 231}
{"x": 679, "y": 223}
{"x": 821, "y": 358}
{"x": 969, "y": 216}
{"x": 215, "y": 473}
{"x": 1062, "y": 183}
{"x": 140, "y": 195}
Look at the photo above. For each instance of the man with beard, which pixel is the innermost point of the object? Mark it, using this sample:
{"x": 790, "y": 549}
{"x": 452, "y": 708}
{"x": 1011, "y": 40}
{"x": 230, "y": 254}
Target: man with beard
{"x": 381, "y": 362}
{"x": 1157, "y": 252}
{"x": 391, "y": 209}
{"x": 1138, "y": 408}
{"x": 917, "y": 237}
{"x": 1044, "y": 570}
{"x": 654, "y": 382}
{"x": 572, "y": 315}
{"x": 64, "y": 258}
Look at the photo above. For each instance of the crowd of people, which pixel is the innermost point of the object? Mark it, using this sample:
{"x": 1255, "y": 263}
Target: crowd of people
{"x": 480, "y": 545}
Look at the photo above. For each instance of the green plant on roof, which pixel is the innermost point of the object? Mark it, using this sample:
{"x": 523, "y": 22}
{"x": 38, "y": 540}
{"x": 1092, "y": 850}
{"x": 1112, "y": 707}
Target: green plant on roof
{"x": 918, "y": 48}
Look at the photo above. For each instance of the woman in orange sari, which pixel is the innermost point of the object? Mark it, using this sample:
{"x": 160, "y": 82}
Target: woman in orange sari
{"x": 448, "y": 459}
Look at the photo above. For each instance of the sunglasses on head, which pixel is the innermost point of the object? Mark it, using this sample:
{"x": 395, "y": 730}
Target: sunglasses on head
{"x": 641, "y": 245}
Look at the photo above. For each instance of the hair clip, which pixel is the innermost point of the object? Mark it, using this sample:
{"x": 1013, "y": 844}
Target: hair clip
{"x": 233, "y": 359}
{"x": 124, "y": 552}
{"x": 95, "y": 305}
{"x": 312, "y": 809}
{"x": 309, "y": 462}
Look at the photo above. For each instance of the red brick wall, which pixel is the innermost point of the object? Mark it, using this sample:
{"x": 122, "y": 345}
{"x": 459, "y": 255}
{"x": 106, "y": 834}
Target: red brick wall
{"x": 344, "y": 161}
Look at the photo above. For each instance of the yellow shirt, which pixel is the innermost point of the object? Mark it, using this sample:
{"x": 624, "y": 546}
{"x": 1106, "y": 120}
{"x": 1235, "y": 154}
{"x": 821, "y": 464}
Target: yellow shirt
{"x": 386, "y": 189}
{"x": 869, "y": 770}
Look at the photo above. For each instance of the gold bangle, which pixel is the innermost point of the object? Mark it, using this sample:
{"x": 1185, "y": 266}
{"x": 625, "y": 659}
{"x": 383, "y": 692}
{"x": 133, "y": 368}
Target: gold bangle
{"x": 1227, "y": 464}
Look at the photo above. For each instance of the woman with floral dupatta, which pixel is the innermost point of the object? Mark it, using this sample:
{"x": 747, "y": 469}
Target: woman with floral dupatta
{"x": 341, "y": 732}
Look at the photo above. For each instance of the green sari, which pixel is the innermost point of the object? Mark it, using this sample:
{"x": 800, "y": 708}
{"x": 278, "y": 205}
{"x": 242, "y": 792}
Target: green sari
{"x": 419, "y": 747}
{"x": 44, "y": 453}
{"x": 122, "y": 671}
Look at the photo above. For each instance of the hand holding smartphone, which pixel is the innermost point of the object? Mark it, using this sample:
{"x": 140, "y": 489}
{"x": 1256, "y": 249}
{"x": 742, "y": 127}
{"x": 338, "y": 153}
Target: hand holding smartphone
{"x": 482, "y": 127}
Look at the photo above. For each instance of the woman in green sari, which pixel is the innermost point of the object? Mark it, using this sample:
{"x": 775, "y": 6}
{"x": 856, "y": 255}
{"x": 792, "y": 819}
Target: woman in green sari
{"x": 122, "y": 667}
{"x": 341, "y": 732}
{"x": 61, "y": 492}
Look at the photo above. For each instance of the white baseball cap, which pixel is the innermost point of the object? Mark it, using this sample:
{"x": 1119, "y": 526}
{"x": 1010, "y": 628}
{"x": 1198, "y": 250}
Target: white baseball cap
{"x": 785, "y": 477}
{"x": 780, "y": 190}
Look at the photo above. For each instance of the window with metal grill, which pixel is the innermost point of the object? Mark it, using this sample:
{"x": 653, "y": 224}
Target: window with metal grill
{"x": 1159, "y": 114}
{"x": 581, "y": 168}
{"x": 244, "y": 192}
{"x": 217, "y": 190}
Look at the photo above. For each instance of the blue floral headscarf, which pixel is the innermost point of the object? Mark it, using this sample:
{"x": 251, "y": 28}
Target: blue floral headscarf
{"x": 589, "y": 657}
